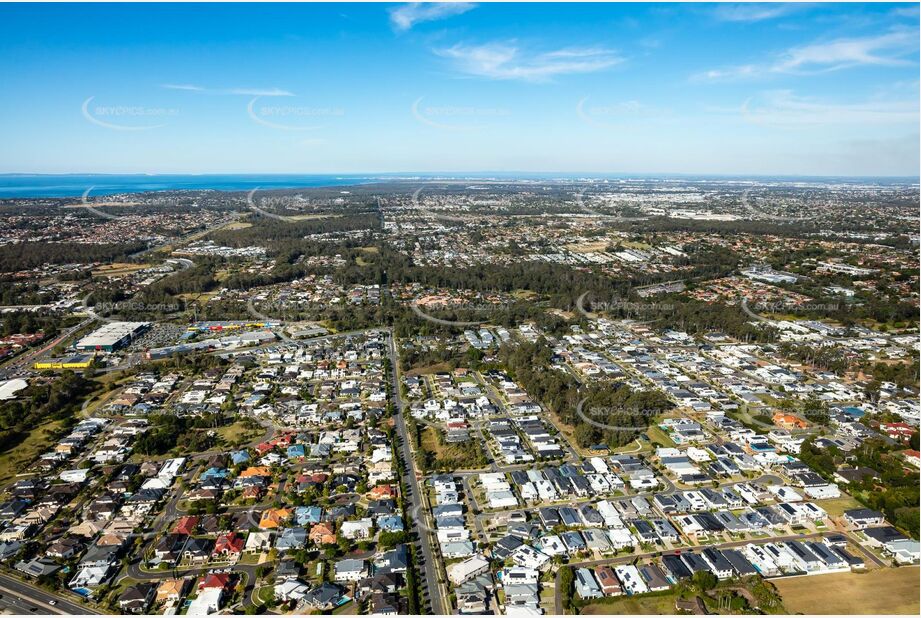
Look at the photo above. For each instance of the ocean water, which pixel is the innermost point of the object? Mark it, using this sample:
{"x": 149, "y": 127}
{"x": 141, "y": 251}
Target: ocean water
{"x": 75, "y": 185}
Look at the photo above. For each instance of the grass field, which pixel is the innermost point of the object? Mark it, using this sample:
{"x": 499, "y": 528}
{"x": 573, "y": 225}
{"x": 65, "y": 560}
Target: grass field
{"x": 835, "y": 507}
{"x": 118, "y": 268}
{"x": 265, "y": 594}
{"x": 196, "y": 297}
{"x": 15, "y": 460}
{"x": 652, "y": 604}
{"x": 658, "y": 436}
{"x": 633, "y": 447}
{"x": 420, "y": 371}
{"x": 524, "y": 294}
{"x": 236, "y": 434}
{"x": 430, "y": 443}
{"x": 880, "y": 591}
{"x": 568, "y": 432}
{"x": 464, "y": 454}
{"x": 238, "y": 225}
{"x": 588, "y": 247}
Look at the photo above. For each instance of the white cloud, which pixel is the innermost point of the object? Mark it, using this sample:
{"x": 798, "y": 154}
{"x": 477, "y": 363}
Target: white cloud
{"x": 251, "y": 92}
{"x": 255, "y": 92}
{"x": 783, "y": 107}
{"x": 907, "y": 11}
{"x": 503, "y": 61}
{"x": 189, "y": 87}
{"x": 620, "y": 114}
{"x": 752, "y": 12}
{"x": 888, "y": 49}
{"x": 405, "y": 16}
{"x": 738, "y": 72}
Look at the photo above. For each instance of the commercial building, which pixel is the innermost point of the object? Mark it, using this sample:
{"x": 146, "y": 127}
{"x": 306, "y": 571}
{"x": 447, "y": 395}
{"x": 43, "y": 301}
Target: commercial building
{"x": 112, "y": 336}
{"x": 77, "y": 361}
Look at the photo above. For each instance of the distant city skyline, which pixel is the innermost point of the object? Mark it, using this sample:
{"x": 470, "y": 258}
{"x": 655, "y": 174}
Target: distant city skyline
{"x": 692, "y": 89}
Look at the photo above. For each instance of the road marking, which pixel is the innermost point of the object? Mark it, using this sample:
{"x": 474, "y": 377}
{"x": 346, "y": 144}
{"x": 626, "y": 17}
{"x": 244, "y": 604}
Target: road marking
{"x": 27, "y": 600}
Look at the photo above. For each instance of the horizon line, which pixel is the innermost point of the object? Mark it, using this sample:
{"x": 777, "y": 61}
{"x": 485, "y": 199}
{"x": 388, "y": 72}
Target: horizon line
{"x": 543, "y": 174}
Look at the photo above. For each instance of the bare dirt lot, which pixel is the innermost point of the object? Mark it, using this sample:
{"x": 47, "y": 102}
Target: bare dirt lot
{"x": 880, "y": 591}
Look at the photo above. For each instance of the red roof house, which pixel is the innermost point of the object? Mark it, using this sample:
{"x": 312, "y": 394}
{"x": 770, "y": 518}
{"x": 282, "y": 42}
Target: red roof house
{"x": 228, "y": 545}
{"x": 215, "y": 580}
{"x": 380, "y": 492}
{"x": 186, "y": 525}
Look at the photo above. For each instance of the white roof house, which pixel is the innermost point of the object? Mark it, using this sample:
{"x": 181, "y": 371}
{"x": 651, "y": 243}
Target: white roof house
{"x": 471, "y": 567}
{"x": 207, "y": 602}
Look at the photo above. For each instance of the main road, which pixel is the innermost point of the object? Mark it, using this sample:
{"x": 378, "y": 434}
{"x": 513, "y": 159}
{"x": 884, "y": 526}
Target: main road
{"x": 23, "y": 362}
{"x": 414, "y": 492}
{"x": 24, "y": 598}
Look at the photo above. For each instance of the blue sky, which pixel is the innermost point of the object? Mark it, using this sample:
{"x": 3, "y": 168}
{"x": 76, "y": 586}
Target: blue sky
{"x": 819, "y": 89}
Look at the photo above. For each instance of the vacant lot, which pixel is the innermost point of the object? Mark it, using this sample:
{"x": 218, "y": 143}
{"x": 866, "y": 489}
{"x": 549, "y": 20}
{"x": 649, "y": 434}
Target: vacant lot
{"x": 237, "y": 225}
{"x": 237, "y": 433}
{"x": 568, "y": 432}
{"x": 658, "y": 436}
{"x": 430, "y": 442}
{"x": 118, "y": 268}
{"x": 196, "y": 297}
{"x": 588, "y": 247}
{"x": 880, "y": 591}
{"x": 643, "y": 604}
{"x": 437, "y": 368}
{"x": 16, "y": 460}
{"x": 835, "y": 507}
{"x": 462, "y": 456}
{"x": 524, "y": 294}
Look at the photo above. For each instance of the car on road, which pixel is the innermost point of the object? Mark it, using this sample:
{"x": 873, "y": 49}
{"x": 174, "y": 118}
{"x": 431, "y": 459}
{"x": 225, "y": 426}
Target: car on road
{"x": 52, "y": 602}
